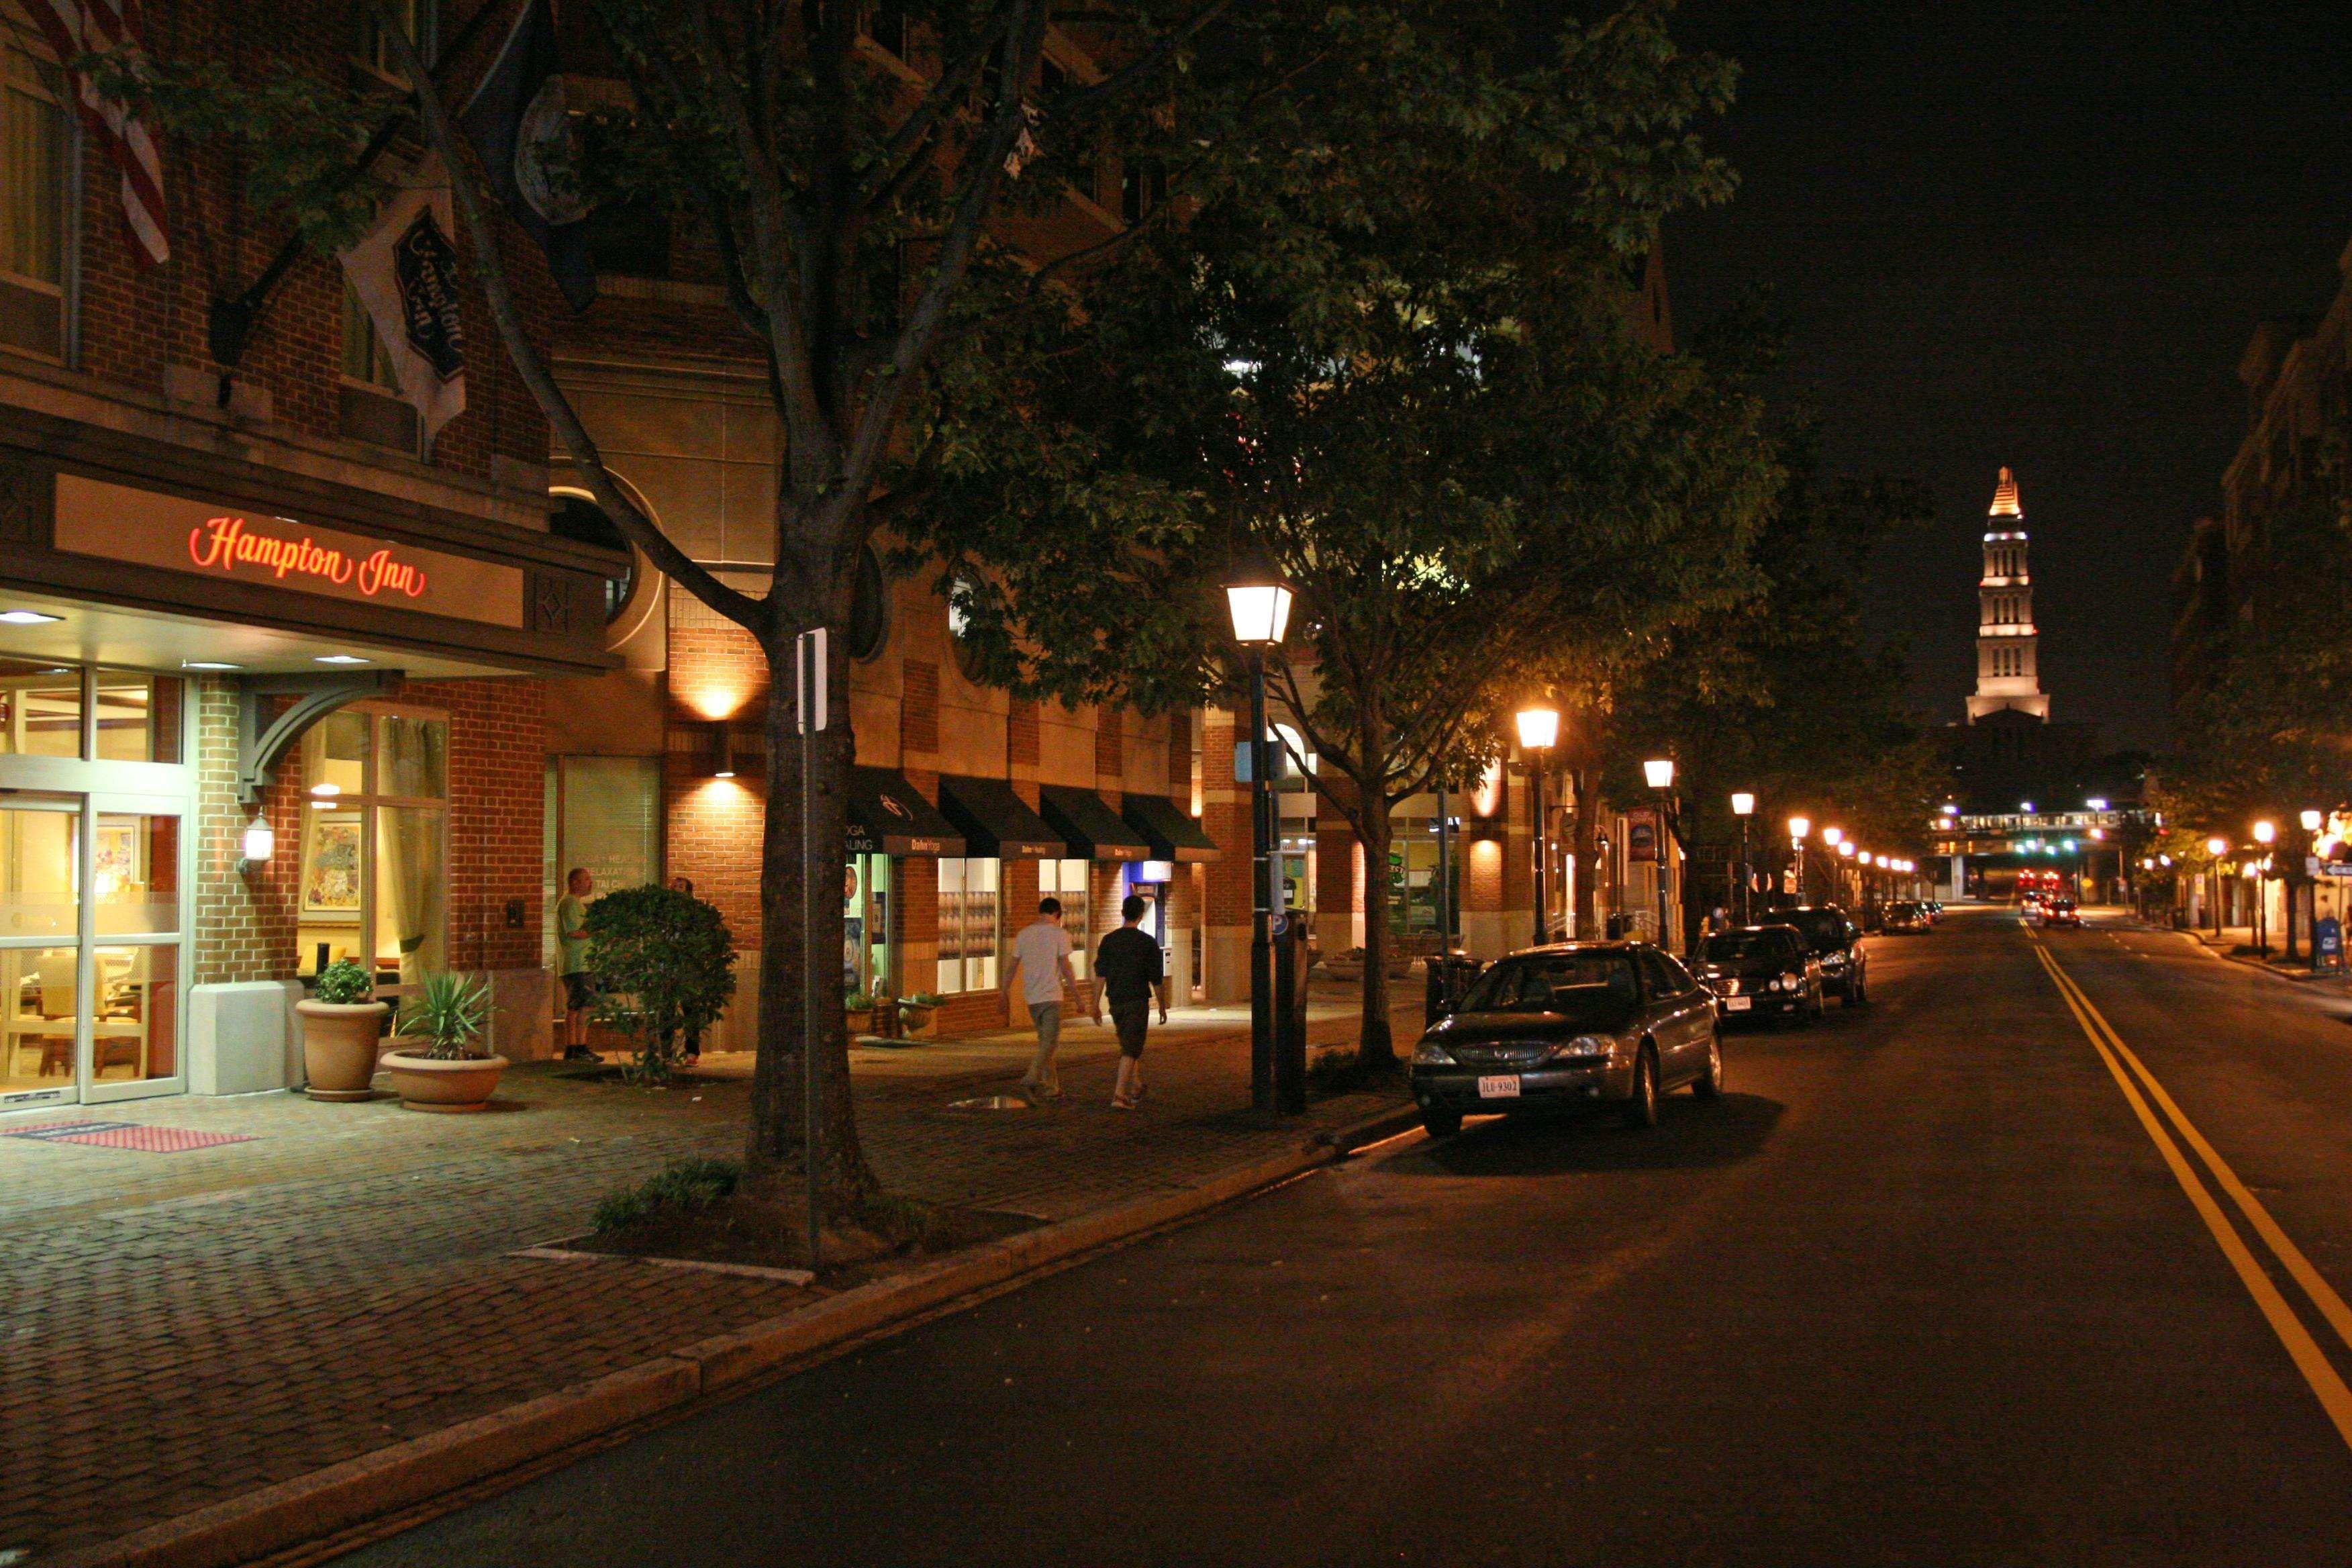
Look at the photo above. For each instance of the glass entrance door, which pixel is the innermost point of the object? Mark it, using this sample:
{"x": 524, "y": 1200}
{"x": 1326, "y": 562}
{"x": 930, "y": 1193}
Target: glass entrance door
{"x": 90, "y": 981}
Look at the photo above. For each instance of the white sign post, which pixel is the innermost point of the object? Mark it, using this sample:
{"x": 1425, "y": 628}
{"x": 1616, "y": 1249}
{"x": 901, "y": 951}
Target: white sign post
{"x": 809, "y": 699}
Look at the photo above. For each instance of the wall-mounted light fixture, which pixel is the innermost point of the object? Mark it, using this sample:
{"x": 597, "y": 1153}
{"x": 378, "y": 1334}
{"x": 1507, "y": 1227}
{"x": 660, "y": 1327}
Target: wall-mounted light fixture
{"x": 722, "y": 750}
{"x": 260, "y": 844}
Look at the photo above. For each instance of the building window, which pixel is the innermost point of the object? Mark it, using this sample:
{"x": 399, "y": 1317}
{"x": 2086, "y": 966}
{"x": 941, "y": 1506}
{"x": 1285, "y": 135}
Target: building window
{"x": 372, "y": 409}
{"x": 968, "y": 924}
{"x": 32, "y": 196}
{"x": 869, "y": 607}
{"x": 375, "y": 869}
{"x": 1067, "y": 880}
{"x": 576, "y": 516}
{"x": 604, "y": 814}
{"x": 1143, "y": 185}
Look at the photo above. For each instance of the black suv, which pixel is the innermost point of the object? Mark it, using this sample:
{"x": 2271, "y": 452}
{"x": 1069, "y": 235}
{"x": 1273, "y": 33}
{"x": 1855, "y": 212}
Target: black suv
{"x": 1832, "y": 937}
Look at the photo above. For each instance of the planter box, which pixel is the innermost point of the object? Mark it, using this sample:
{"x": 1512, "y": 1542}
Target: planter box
{"x": 339, "y": 1046}
{"x": 446, "y": 1087}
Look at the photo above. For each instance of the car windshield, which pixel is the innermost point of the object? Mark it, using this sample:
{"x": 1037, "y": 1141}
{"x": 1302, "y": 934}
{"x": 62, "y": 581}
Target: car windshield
{"x": 2062, "y": 904}
{"x": 1591, "y": 989}
{"x": 1902, "y": 909}
{"x": 1820, "y": 928}
{"x": 1733, "y": 946}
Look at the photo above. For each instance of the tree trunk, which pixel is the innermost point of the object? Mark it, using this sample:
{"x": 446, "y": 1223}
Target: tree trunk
{"x": 790, "y": 871}
{"x": 1375, "y": 1043}
{"x": 1588, "y": 856}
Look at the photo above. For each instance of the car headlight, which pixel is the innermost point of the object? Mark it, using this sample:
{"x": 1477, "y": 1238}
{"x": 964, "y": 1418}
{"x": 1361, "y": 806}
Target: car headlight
{"x": 1430, "y": 1053}
{"x": 1583, "y": 1048}
{"x": 1792, "y": 981}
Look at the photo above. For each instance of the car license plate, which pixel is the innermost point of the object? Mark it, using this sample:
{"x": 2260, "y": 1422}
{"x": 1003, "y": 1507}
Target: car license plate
{"x": 1505, "y": 1085}
{"x": 1737, "y": 1004}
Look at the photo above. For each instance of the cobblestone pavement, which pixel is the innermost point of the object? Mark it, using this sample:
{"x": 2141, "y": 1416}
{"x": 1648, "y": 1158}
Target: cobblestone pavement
{"x": 177, "y": 1329}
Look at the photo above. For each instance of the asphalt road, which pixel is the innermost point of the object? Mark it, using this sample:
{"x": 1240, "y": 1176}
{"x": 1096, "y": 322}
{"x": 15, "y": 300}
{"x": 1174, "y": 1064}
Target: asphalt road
{"x": 1923, "y": 1288}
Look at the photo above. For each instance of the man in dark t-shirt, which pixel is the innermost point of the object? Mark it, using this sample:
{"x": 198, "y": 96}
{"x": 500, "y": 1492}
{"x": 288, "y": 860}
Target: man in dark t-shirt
{"x": 1128, "y": 966}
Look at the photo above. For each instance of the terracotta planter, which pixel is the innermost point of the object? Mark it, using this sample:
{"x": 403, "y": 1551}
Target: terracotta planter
{"x": 338, "y": 1042}
{"x": 860, "y": 1020}
{"x": 452, "y": 1087}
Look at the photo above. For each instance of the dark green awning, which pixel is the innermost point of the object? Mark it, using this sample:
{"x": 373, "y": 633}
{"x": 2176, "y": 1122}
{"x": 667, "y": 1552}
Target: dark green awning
{"x": 1169, "y": 828}
{"x": 887, "y": 816}
{"x": 1093, "y": 830}
{"x": 996, "y": 822}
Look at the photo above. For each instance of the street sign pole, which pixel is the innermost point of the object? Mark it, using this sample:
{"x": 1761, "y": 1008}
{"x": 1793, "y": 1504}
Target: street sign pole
{"x": 810, "y": 701}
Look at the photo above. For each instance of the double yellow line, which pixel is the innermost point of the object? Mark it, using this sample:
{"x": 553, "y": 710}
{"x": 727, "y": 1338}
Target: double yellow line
{"x": 2147, "y": 1098}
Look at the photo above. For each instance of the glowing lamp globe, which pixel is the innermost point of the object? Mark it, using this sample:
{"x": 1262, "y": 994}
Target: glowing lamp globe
{"x": 1538, "y": 728}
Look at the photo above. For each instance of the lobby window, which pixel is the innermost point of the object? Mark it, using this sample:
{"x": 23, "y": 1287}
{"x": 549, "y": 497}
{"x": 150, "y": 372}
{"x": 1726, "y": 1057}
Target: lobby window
{"x": 1067, "y": 880}
{"x": 967, "y": 924}
{"x": 132, "y": 716}
{"x": 374, "y": 874}
{"x": 34, "y": 146}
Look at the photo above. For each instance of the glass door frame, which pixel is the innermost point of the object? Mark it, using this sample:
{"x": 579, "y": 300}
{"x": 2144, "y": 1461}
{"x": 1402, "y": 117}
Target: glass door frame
{"x": 371, "y": 801}
{"x": 95, "y": 805}
{"x": 86, "y": 808}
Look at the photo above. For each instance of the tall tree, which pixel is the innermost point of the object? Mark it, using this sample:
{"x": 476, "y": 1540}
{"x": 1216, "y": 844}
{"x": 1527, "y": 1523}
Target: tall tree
{"x": 1386, "y": 348}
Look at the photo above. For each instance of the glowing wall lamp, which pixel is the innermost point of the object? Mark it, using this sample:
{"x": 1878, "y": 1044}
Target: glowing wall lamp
{"x": 722, "y": 750}
{"x": 259, "y": 844}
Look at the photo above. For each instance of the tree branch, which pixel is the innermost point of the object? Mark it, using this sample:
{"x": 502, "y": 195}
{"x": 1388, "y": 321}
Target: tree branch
{"x": 532, "y": 364}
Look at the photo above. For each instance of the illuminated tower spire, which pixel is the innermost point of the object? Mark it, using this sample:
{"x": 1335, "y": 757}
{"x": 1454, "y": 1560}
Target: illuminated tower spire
{"x": 2007, "y": 676}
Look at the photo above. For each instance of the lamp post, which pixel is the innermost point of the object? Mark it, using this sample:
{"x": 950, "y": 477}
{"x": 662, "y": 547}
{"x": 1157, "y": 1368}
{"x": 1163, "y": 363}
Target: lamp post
{"x": 1539, "y": 734}
{"x": 1659, "y": 773}
{"x": 1258, "y": 602}
{"x": 2311, "y": 821}
{"x": 1743, "y": 806}
{"x": 1799, "y": 829}
{"x": 1846, "y": 852}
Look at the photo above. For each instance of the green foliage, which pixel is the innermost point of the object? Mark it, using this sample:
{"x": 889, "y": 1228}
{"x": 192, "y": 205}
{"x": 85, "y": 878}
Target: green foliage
{"x": 447, "y": 1013}
{"x": 856, "y": 1002}
{"x": 344, "y": 982}
{"x": 664, "y": 963}
{"x": 682, "y": 1186}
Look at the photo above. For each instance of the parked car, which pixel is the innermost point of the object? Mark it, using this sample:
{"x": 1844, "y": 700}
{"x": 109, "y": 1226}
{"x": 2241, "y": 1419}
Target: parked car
{"x": 2061, "y": 912}
{"x": 1837, "y": 942}
{"x": 1571, "y": 1024}
{"x": 1902, "y": 915}
{"x": 1935, "y": 908}
{"x": 1760, "y": 972}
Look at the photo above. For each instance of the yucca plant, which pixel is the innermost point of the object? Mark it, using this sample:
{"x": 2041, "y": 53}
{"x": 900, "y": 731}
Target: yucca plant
{"x": 447, "y": 1012}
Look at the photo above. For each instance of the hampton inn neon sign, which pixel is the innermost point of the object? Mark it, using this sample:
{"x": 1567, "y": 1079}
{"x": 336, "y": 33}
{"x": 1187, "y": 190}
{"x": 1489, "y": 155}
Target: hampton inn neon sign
{"x": 229, "y": 543}
{"x": 144, "y": 528}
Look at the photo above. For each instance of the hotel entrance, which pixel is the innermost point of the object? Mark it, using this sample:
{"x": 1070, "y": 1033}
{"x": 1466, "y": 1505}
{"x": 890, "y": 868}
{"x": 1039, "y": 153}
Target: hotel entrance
{"x": 93, "y": 860}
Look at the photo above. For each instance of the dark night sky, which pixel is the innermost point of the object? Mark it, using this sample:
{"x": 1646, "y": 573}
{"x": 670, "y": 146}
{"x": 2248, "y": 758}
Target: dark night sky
{"x": 2038, "y": 236}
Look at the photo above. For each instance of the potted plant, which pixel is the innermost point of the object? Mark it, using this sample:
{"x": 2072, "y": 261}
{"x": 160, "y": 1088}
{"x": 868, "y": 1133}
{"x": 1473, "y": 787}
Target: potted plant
{"x": 445, "y": 1073}
{"x": 917, "y": 1012}
{"x": 859, "y": 1007}
{"x": 341, "y": 1025}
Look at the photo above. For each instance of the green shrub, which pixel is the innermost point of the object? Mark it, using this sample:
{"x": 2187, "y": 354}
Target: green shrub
{"x": 685, "y": 1186}
{"x": 664, "y": 963}
{"x": 344, "y": 982}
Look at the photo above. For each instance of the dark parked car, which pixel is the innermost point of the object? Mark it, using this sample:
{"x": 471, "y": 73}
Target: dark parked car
{"x": 1761, "y": 972}
{"x": 2061, "y": 912}
{"x": 1831, "y": 937}
{"x": 1571, "y": 1024}
{"x": 1905, "y": 916}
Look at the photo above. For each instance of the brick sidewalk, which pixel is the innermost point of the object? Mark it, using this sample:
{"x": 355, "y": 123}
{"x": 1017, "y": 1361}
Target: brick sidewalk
{"x": 178, "y": 1328}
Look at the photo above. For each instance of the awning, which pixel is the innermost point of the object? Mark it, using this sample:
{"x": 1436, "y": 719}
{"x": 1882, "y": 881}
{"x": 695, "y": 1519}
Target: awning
{"x": 996, "y": 823}
{"x": 1170, "y": 829}
{"x": 1093, "y": 830}
{"x": 888, "y": 817}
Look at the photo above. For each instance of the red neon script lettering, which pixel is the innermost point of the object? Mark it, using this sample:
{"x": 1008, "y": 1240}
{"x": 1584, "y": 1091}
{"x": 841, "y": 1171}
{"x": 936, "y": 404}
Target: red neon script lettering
{"x": 226, "y": 543}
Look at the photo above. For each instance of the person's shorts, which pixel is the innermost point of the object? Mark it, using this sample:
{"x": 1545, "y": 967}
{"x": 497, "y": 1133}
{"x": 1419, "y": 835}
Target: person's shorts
{"x": 579, "y": 992}
{"x": 1130, "y": 1019}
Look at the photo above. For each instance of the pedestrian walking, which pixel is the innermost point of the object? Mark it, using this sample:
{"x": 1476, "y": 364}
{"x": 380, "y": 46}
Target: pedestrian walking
{"x": 1131, "y": 967}
{"x": 1041, "y": 962}
{"x": 572, "y": 952}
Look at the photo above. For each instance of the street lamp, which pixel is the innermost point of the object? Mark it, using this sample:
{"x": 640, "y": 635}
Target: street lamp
{"x": 2265, "y": 835}
{"x": 2216, "y": 847}
{"x": 1258, "y": 601}
{"x": 1539, "y": 734}
{"x": 1846, "y": 847}
{"x": 1659, "y": 773}
{"x": 1799, "y": 829}
{"x": 1743, "y": 806}
{"x": 2311, "y": 820}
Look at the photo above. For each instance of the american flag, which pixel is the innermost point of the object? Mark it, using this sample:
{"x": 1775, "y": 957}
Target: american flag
{"x": 75, "y": 28}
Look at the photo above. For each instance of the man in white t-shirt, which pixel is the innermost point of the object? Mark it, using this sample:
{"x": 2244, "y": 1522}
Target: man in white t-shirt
{"x": 1041, "y": 961}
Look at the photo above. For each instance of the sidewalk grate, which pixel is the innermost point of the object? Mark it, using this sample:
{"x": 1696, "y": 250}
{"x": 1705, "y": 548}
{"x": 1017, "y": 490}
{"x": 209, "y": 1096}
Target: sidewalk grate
{"x": 129, "y": 1135}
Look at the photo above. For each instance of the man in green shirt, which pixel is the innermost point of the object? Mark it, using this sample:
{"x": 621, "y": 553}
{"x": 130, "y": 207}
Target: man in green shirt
{"x": 571, "y": 962}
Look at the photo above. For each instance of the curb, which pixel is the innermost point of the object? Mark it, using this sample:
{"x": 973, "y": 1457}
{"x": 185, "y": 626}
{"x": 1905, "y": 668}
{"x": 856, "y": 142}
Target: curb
{"x": 325, "y": 1503}
{"x": 2258, "y": 965}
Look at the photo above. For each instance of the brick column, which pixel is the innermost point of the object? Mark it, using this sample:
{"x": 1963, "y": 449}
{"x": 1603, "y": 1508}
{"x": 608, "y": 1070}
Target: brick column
{"x": 1339, "y": 874}
{"x": 1518, "y": 925}
{"x": 1225, "y": 942}
{"x": 918, "y": 875}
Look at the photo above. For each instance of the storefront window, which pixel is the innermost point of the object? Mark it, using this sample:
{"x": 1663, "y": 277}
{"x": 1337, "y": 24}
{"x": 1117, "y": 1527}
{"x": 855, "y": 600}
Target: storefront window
{"x": 40, "y": 711}
{"x": 135, "y": 1035}
{"x": 374, "y": 875}
{"x": 968, "y": 924}
{"x": 37, "y": 986}
{"x": 38, "y": 853}
{"x": 1067, "y": 880}
{"x": 866, "y": 926}
{"x": 137, "y": 875}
